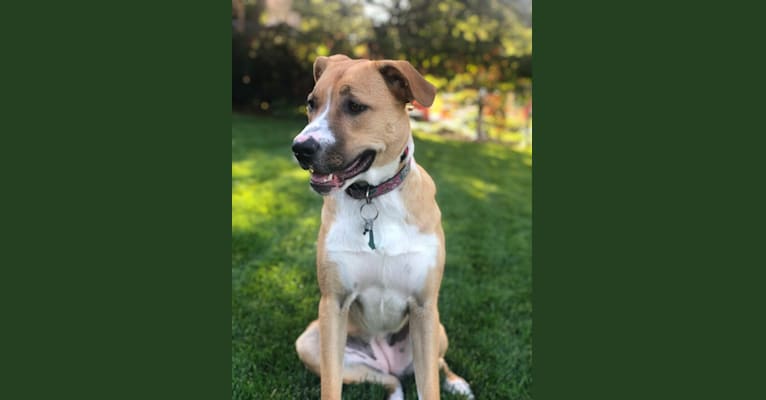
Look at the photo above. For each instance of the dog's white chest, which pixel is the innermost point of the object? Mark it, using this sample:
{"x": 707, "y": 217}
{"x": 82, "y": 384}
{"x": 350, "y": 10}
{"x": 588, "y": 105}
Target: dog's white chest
{"x": 384, "y": 277}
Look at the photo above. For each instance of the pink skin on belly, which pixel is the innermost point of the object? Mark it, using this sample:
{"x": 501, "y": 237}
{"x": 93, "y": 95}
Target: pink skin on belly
{"x": 391, "y": 359}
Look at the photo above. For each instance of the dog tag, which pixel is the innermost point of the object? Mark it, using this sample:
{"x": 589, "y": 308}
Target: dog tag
{"x": 368, "y": 229}
{"x": 369, "y": 219}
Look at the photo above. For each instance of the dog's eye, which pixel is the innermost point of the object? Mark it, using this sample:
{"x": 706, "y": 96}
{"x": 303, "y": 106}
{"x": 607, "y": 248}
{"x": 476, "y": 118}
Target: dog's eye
{"x": 355, "y": 108}
{"x": 310, "y": 104}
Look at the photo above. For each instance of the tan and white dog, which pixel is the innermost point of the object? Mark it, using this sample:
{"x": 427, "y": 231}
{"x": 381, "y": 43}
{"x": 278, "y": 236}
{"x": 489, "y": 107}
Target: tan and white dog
{"x": 380, "y": 251}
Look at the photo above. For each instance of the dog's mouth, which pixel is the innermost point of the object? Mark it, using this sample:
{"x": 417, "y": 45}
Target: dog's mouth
{"x": 325, "y": 183}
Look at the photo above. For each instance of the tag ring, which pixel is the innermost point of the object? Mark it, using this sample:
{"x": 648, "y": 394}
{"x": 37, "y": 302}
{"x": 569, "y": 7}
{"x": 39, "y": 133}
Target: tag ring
{"x": 361, "y": 211}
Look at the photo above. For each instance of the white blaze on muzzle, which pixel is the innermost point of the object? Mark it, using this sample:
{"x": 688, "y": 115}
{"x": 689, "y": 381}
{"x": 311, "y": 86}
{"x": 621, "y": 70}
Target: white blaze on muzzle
{"x": 319, "y": 128}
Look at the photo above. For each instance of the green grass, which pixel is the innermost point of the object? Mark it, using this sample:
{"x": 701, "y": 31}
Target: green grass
{"x": 484, "y": 191}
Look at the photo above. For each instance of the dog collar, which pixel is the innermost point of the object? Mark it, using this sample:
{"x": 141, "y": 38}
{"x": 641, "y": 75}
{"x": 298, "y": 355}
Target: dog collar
{"x": 365, "y": 191}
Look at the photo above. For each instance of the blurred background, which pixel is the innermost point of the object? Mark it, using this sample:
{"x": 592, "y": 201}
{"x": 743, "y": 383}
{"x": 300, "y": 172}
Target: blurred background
{"x": 478, "y": 53}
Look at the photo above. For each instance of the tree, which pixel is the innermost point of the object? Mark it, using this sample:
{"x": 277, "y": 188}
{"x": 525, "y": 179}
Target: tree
{"x": 486, "y": 41}
{"x": 471, "y": 43}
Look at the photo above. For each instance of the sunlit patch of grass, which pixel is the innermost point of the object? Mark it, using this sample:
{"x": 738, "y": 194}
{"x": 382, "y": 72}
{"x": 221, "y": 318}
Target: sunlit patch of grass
{"x": 241, "y": 169}
{"x": 484, "y": 192}
{"x": 429, "y": 136}
{"x": 256, "y": 203}
{"x": 475, "y": 187}
{"x": 288, "y": 280}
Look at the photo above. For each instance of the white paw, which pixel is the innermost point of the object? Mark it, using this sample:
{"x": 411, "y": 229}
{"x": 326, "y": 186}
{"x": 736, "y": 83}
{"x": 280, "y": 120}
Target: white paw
{"x": 397, "y": 394}
{"x": 458, "y": 386}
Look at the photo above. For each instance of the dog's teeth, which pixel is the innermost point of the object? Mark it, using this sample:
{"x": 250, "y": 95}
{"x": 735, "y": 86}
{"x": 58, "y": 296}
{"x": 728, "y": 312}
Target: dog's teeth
{"x": 329, "y": 177}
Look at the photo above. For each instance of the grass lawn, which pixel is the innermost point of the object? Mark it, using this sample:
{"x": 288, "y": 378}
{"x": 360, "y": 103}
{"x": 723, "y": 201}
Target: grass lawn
{"x": 484, "y": 192}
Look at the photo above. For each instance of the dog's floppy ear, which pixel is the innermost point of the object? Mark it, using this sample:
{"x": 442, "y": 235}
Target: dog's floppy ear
{"x": 320, "y": 64}
{"x": 406, "y": 82}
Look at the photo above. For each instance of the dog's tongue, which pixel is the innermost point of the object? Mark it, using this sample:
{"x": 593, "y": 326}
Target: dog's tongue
{"x": 326, "y": 182}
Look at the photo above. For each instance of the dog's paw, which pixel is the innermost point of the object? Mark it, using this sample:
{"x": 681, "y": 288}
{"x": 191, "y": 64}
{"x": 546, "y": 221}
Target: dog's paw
{"x": 458, "y": 386}
{"x": 396, "y": 394}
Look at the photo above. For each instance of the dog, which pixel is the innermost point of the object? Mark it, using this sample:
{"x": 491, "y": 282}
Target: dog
{"x": 380, "y": 250}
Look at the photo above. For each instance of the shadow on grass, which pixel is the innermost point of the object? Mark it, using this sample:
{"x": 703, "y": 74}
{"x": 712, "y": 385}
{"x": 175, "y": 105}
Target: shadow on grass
{"x": 485, "y": 302}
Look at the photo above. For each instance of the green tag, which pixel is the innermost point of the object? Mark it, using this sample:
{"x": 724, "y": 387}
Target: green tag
{"x": 371, "y": 243}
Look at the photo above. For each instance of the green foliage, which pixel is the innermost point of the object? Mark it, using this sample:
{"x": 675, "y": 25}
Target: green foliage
{"x": 484, "y": 191}
{"x": 483, "y": 40}
{"x": 470, "y": 43}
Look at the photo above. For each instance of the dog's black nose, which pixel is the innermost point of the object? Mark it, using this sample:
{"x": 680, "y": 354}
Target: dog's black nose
{"x": 305, "y": 151}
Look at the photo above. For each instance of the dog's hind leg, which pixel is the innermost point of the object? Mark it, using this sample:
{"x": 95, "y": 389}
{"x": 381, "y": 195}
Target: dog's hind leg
{"x": 307, "y": 347}
{"x": 453, "y": 383}
{"x": 357, "y": 362}
{"x": 359, "y": 373}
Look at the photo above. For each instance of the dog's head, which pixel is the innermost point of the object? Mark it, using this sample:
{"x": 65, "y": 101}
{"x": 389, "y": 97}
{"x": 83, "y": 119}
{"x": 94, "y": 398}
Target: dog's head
{"x": 358, "y": 123}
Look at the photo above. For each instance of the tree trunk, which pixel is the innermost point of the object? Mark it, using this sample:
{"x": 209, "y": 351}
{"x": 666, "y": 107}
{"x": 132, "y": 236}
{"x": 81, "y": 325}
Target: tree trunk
{"x": 481, "y": 134}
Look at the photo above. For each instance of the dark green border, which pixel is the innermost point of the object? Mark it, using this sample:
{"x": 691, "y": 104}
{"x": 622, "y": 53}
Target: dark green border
{"x": 116, "y": 203}
{"x": 644, "y": 166}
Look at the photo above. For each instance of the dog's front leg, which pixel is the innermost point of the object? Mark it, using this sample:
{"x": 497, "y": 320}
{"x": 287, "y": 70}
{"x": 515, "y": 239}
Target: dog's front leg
{"x": 424, "y": 333}
{"x": 333, "y": 319}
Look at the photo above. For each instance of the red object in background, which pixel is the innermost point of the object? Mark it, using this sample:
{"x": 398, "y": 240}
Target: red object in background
{"x": 527, "y": 111}
{"x": 422, "y": 110}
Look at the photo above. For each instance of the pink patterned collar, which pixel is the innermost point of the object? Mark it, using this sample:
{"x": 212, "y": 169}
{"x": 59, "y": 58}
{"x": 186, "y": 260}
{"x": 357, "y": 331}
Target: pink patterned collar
{"x": 364, "y": 191}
